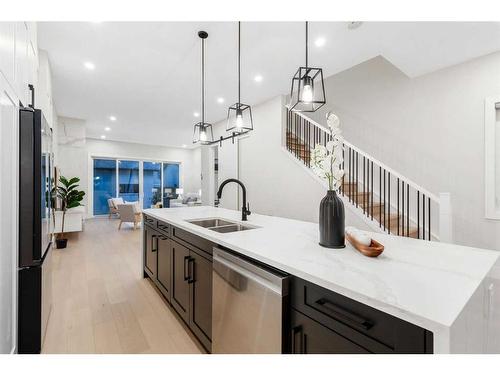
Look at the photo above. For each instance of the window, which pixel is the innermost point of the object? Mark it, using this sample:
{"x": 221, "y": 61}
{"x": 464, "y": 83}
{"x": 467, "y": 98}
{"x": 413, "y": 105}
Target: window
{"x": 147, "y": 182}
{"x": 152, "y": 183}
{"x": 104, "y": 184}
{"x": 170, "y": 176}
{"x": 170, "y": 182}
{"x": 128, "y": 177}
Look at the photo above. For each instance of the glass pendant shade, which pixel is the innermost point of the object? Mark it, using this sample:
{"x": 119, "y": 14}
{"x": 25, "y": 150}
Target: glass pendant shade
{"x": 239, "y": 115}
{"x": 308, "y": 91}
{"x": 203, "y": 133}
{"x": 239, "y": 118}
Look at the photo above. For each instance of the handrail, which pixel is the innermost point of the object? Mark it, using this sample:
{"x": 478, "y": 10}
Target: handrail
{"x": 414, "y": 185}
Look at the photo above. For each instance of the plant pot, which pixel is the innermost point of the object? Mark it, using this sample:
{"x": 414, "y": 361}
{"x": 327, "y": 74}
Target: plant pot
{"x": 61, "y": 243}
{"x": 332, "y": 221}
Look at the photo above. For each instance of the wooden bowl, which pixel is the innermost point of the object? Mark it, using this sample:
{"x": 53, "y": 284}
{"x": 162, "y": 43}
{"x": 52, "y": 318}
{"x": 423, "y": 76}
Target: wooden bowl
{"x": 374, "y": 250}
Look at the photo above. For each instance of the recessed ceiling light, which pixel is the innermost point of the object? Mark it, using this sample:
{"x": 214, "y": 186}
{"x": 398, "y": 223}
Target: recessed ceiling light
{"x": 257, "y": 78}
{"x": 320, "y": 42}
{"x": 89, "y": 65}
{"x": 184, "y": 146}
{"x": 107, "y": 128}
{"x": 354, "y": 25}
{"x": 220, "y": 100}
{"x": 196, "y": 114}
{"x": 103, "y": 136}
{"x": 112, "y": 118}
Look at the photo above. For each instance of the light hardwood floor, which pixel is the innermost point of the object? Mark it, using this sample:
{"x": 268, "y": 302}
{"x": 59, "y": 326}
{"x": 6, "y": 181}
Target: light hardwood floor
{"x": 101, "y": 303}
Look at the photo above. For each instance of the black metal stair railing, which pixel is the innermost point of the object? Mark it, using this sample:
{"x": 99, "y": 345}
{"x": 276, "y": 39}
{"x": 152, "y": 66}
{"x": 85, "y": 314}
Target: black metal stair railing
{"x": 398, "y": 205}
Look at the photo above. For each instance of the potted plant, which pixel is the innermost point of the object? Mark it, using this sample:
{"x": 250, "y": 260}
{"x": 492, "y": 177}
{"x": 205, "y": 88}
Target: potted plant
{"x": 326, "y": 162}
{"x": 70, "y": 197}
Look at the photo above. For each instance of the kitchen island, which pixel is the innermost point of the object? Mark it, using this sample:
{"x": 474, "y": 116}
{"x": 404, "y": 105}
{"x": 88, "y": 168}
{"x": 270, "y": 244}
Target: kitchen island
{"x": 445, "y": 289}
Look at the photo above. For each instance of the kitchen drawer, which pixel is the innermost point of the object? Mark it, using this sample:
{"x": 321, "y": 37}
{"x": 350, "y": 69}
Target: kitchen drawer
{"x": 372, "y": 329}
{"x": 163, "y": 227}
{"x": 310, "y": 337}
{"x": 149, "y": 220}
{"x": 189, "y": 238}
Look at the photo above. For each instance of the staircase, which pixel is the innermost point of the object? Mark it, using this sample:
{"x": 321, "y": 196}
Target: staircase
{"x": 385, "y": 199}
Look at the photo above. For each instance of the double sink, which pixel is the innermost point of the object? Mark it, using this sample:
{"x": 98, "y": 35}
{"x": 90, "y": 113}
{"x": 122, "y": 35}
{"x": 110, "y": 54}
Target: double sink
{"x": 220, "y": 225}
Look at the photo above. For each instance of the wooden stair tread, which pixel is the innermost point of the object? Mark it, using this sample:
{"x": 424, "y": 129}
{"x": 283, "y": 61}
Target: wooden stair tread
{"x": 353, "y": 191}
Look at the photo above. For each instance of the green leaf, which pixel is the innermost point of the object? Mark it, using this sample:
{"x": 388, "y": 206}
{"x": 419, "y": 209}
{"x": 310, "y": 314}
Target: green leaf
{"x": 74, "y": 180}
{"x": 63, "y": 180}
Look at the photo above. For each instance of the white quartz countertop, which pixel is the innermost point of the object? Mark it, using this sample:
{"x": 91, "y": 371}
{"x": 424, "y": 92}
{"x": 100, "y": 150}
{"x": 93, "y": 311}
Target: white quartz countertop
{"x": 425, "y": 283}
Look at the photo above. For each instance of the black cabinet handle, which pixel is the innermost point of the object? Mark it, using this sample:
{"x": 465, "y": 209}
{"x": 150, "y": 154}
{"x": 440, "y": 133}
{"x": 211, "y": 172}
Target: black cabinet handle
{"x": 345, "y": 316}
{"x": 191, "y": 270}
{"x": 186, "y": 267}
{"x": 297, "y": 330}
{"x": 153, "y": 248}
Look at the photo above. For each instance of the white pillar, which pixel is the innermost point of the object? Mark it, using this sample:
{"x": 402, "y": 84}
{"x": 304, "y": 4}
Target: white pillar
{"x": 445, "y": 218}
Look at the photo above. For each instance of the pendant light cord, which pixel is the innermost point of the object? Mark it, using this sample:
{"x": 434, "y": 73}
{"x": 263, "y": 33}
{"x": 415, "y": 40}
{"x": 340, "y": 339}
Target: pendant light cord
{"x": 307, "y": 41}
{"x": 239, "y": 64}
{"x": 203, "y": 81}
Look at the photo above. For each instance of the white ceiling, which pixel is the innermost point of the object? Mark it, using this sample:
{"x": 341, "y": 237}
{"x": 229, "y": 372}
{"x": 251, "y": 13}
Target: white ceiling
{"x": 147, "y": 74}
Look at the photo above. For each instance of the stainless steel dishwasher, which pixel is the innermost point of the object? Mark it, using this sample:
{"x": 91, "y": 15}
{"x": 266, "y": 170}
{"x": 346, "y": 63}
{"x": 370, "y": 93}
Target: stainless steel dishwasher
{"x": 248, "y": 306}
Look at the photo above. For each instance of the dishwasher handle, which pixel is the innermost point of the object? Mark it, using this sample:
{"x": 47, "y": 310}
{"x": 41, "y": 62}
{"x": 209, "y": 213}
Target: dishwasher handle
{"x": 274, "y": 283}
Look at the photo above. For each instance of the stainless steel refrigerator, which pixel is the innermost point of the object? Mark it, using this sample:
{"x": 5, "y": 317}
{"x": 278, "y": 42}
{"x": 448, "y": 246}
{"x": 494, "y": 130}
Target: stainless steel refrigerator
{"x": 35, "y": 230}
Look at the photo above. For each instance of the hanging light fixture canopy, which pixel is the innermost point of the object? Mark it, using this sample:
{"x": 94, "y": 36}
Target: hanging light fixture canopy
{"x": 308, "y": 90}
{"x": 239, "y": 115}
{"x": 202, "y": 130}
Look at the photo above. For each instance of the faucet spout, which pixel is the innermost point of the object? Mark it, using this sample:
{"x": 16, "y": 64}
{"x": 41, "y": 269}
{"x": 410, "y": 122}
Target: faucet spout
{"x": 245, "y": 210}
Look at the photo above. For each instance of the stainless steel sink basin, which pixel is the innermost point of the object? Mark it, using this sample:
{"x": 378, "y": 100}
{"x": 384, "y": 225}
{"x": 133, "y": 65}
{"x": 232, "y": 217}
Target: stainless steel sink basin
{"x": 231, "y": 228}
{"x": 220, "y": 225}
{"x": 209, "y": 223}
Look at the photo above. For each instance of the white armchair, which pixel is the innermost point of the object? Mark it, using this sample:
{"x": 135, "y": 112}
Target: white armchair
{"x": 112, "y": 204}
{"x": 129, "y": 213}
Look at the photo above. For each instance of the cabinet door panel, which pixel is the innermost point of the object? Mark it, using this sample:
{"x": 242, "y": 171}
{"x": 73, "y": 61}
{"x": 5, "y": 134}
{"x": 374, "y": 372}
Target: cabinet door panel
{"x": 179, "y": 295}
{"x": 200, "y": 317}
{"x": 21, "y": 62}
{"x": 150, "y": 251}
{"x": 164, "y": 265}
{"x": 7, "y": 50}
{"x": 310, "y": 337}
{"x": 370, "y": 328}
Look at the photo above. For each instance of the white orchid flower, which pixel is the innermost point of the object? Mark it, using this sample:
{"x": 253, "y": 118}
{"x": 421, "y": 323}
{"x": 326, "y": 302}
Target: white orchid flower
{"x": 330, "y": 145}
{"x": 326, "y": 161}
{"x": 332, "y": 120}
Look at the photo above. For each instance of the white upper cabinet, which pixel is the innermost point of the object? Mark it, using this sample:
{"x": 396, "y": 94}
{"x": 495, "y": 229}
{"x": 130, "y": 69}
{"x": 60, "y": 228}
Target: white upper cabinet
{"x": 22, "y": 62}
{"x": 7, "y": 50}
{"x": 19, "y": 57}
{"x": 32, "y": 54}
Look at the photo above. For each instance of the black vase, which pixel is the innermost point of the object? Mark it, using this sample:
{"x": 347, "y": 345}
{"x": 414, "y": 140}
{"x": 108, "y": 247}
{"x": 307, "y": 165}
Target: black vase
{"x": 331, "y": 221}
{"x": 61, "y": 243}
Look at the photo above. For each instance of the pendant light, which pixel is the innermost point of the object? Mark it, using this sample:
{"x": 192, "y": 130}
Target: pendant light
{"x": 308, "y": 90}
{"x": 239, "y": 115}
{"x": 203, "y": 131}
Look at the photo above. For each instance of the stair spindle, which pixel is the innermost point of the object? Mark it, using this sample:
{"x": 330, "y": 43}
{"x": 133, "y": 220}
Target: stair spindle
{"x": 397, "y": 205}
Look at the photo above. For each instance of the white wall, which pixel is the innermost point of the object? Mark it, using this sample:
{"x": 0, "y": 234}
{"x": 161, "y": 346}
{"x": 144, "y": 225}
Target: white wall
{"x": 189, "y": 159}
{"x": 276, "y": 184}
{"x": 75, "y": 152}
{"x": 44, "y": 97}
{"x": 72, "y": 151}
{"x": 429, "y": 128}
{"x": 228, "y": 168}
{"x": 18, "y": 68}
